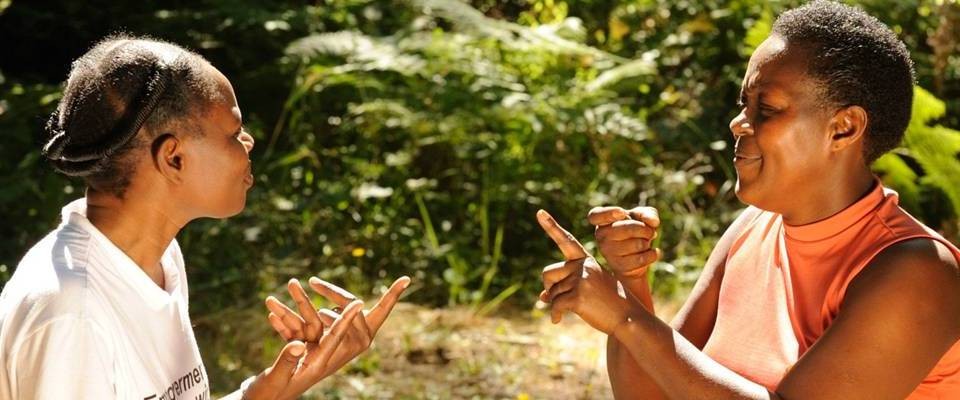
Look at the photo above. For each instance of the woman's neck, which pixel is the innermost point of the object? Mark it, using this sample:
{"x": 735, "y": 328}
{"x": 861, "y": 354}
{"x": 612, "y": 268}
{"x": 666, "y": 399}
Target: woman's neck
{"x": 139, "y": 227}
{"x": 830, "y": 198}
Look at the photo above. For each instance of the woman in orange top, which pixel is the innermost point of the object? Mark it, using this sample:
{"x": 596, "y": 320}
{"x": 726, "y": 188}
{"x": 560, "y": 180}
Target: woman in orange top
{"x": 824, "y": 287}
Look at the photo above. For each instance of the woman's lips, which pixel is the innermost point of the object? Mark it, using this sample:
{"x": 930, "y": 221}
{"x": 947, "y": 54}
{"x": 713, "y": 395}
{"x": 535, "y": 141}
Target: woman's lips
{"x": 248, "y": 180}
{"x": 743, "y": 159}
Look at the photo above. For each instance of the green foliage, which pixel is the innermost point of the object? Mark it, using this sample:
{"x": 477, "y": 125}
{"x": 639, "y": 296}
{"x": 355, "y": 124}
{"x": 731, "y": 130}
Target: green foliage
{"x": 462, "y": 134}
{"x": 30, "y": 194}
{"x": 933, "y": 149}
{"x": 757, "y": 33}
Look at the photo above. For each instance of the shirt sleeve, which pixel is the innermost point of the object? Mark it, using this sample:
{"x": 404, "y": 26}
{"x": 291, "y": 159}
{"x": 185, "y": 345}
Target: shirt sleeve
{"x": 67, "y": 358}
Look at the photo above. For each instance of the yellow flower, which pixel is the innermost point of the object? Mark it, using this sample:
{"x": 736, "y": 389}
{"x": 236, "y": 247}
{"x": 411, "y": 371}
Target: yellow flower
{"x": 358, "y": 252}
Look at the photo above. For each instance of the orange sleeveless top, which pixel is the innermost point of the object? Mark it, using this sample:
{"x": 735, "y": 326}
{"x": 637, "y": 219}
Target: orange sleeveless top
{"x": 783, "y": 285}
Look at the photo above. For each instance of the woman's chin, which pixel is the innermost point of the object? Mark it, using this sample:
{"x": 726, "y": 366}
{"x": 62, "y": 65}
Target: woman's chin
{"x": 743, "y": 192}
{"x": 239, "y": 208}
{"x": 231, "y": 211}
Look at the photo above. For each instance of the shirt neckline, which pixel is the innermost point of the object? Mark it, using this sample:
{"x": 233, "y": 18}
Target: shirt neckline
{"x": 837, "y": 223}
{"x": 75, "y": 214}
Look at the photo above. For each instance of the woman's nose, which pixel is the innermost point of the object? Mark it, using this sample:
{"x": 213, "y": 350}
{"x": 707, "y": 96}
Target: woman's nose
{"x": 740, "y": 125}
{"x": 247, "y": 141}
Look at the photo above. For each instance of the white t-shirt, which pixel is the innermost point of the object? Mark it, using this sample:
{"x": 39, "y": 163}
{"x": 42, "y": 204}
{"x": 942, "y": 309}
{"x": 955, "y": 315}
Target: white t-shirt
{"x": 80, "y": 320}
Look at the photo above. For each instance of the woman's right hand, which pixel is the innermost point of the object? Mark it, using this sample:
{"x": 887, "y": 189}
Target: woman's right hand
{"x": 300, "y": 365}
{"x": 309, "y": 326}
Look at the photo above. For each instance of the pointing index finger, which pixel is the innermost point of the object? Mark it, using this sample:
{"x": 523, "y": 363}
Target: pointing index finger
{"x": 568, "y": 244}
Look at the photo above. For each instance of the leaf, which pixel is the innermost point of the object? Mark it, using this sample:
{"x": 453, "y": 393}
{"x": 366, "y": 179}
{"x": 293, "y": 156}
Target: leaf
{"x": 758, "y": 33}
{"x": 934, "y": 147}
{"x": 302, "y": 152}
{"x": 896, "y": 174}
{"x": 469, "y": 19}
{"x": 639, "y": 67}
{"x": 359, "y": 50}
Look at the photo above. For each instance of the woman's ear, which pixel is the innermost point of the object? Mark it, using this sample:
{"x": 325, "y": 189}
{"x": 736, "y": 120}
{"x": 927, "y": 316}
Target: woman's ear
{"x": 167, "y": 151}
{"x": 847, "y": 126}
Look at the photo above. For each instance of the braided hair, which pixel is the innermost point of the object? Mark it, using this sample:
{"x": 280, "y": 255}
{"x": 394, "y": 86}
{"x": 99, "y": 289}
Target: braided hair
{"x": 120, "y": 87}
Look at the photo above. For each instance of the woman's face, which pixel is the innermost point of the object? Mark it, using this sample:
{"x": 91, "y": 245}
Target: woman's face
{"x": 782, "y": 139}
{"x": 217, "y": 172}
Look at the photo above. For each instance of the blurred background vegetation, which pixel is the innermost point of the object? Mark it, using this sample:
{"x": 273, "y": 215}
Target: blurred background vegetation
{"x": 419, "y": 137}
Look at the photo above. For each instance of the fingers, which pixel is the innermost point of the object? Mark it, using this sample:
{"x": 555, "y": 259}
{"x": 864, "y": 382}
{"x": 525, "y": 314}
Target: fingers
{"x": 620, "y": 248}
{"x": 566, "y": 285}
{"x": 312, "y": 326}
{"x": 334, "y": 293}
{"x": 606, "y": 215}
{"x": 341, "y": 297}
{"x": 361, "y": 328}
{"x": 290, "y": 319}
{"x": 568, "y": 244}
{"x": 281, "y": 329}
{"x": 561, "y": 304}
{"x": 647, "y": 215}
{"x": 543, "y": 296}
{"x": 327, "y": 316}
{"x": 382, "y": 309}
{"x": 626, "y": 229}
{"x": 338, "y": 328}
{"x": 634, "y": 261}
{"x": 557, "y": 272}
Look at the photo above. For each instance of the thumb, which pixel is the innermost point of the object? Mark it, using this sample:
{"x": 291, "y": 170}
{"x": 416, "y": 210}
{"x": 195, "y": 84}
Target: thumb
{"x": 274, "y": 379}
{"x": 648, "y": 215}
{"x": 287, "y": 362}
{"x": 599, "y": 216}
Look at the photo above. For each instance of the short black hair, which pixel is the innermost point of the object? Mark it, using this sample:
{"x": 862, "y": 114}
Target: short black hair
{"x": 858, "y": 61}
{"x": 122, "y": 84}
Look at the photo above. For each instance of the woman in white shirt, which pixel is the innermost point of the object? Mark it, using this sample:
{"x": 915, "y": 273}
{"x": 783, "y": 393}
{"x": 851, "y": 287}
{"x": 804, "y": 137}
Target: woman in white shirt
{"x": 98, "y": 308}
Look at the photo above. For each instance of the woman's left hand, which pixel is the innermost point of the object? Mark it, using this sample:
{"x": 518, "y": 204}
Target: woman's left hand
{"x": 580, "y": 285}
{"x": 274, "y": 383}
{"x": 309, "y": 325}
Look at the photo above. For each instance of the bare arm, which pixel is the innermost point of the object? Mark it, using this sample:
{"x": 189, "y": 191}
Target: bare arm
{"x": 900, "y": 311}
{"x": 694, "y": 320}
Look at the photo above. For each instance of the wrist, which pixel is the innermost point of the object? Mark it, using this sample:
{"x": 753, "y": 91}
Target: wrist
{"x": 623, "y": 329}
{"x": 245, "y": 385}
{"x": 635, "y": 319}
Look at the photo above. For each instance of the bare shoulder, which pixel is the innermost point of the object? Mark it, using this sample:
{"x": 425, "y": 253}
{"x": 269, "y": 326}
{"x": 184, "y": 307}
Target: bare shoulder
{"x": 899, "y": 311}
{"x": 920, "y": 275}
{"x": 915, "y": 260}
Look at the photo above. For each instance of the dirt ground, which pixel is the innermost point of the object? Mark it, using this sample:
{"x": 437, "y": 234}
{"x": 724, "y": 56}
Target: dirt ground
{"x": 423, "y": 353}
